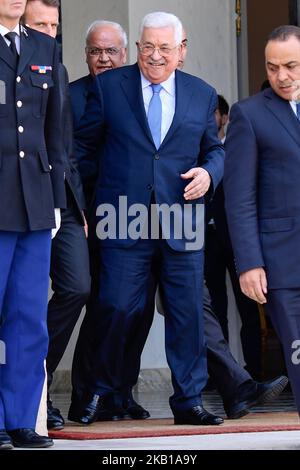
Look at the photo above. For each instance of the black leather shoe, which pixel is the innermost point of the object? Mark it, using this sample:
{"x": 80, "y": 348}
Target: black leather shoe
{"x": 86, "y": 411}
{"x": 5, "y": 440}
{"x": 197, "y": 416}
{"x": 110, "y": 409}
{"x": 262, "y": 393}
{"x": 134, "y": 411}
{"x": 54, "y": 418}
{"x": 28, "y": 438}
{"x": 105, "y": 414}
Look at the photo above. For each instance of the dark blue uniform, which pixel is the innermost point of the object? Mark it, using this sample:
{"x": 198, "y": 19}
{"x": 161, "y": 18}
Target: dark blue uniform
{"x": 31, "y": 186}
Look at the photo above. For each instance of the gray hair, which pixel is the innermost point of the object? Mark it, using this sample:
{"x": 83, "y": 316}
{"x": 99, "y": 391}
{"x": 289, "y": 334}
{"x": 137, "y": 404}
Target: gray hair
{"x": 99, "y": 23}
{"x": 161, "y": 19}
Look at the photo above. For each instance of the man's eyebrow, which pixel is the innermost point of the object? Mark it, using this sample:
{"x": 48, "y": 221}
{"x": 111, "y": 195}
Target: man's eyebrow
{"x": 288, "y": 63}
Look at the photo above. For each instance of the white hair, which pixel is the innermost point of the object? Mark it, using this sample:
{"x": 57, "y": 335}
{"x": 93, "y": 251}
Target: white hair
{"x": 161, "y": 19}
{"x": 99, "y": 23}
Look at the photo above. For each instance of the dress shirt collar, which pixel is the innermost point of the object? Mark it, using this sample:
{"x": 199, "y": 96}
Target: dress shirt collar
{"x": 294, "y": 106}
{"x": 4, "y": 30}
{"x": 168, "y": 85}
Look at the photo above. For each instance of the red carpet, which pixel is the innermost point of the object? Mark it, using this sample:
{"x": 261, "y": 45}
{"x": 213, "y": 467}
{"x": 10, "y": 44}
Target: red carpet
{"x": 254, "y": 422}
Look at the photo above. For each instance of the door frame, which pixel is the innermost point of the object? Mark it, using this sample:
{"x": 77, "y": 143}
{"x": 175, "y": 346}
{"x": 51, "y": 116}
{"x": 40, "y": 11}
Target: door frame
{"x": 242, "y": 44}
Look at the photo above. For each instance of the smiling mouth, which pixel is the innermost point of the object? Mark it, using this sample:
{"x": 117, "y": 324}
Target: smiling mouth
{"x": 156, "y": 65}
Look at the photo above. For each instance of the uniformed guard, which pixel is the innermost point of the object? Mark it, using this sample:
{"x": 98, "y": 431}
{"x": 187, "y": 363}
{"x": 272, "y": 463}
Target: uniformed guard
{"x": 31, "y": 192}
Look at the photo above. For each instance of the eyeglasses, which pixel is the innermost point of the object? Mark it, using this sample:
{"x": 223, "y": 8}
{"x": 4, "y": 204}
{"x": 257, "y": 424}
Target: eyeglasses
{"x": 149, "y": 49}
{"x": 95, "y": 51}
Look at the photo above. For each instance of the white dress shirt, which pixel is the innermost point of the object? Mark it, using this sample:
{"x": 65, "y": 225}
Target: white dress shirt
{"x": 294, "y": 106}
{"x": 4, "y": 30}
{"x": 168, "y": 101}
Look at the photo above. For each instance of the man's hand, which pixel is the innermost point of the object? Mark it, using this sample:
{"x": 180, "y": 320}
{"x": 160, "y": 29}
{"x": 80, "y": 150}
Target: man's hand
{"x": 200, "y": 184}
{"x": 254, "y": 284}
{"x": 57, "y": 223}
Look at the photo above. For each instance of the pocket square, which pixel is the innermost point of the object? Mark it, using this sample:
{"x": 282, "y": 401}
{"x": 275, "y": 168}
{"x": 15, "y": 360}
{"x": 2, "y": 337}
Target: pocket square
{"x": 41, "y": 68}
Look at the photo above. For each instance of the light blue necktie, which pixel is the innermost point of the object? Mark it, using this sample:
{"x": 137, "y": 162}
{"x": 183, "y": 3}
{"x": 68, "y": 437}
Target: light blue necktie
{"x": 298, "y": 111}
{"x": 155, "y": 114}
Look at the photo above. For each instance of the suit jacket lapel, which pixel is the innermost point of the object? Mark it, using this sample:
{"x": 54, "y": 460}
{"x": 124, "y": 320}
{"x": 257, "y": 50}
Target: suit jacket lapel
{"x": 28, "y": 47}
{"x": 284, "y": 113}
{"x": 132, "y": 88}
{"x": 183, "y": 97}
{"x": 5, "y": 53}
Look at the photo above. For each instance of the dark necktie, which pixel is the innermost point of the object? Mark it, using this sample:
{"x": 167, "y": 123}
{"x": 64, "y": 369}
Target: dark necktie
{"x": 12, "y": 38}
{"x": 155, "y": 114}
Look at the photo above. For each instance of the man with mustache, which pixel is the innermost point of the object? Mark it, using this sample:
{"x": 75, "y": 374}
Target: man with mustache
{"x": 151, "y": 154}
{"x": 106, "y": 49}
{"x": 262, "y": 194}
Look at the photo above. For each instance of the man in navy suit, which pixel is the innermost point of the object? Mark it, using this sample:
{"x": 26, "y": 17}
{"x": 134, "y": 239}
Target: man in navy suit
{"x": 69, "y": 269}
{"x": 106, "y": 49}
{"x": 157, "y": 148}
{"x": 219, "y": 259}
{"x": 31, "y": 187}
{"x": 262, "y": 194}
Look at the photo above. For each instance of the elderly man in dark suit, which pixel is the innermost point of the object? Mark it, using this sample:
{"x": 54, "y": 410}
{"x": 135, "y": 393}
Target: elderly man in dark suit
{"x": 69, "y": 254}
{"x": 157, "y": 149}
{"x": 31, "y": 187}
{"x": 262, "y": 193}
{"x": 106, "y": 49}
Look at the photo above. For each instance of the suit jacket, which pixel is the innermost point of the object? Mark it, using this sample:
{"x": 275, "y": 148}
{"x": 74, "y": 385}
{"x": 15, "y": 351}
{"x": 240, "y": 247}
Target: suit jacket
{"x": 73, "y": 179}
{"x": 79, "y": 90}
{"x": 31, "y": 155}
{"x": 88, "y": 168}
{"x": 130, "y": 164}
{"x": 262, "y": 190}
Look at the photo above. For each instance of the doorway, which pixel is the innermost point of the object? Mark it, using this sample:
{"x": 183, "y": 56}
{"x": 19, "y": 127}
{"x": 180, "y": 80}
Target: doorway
{"x": 258, "y": 19}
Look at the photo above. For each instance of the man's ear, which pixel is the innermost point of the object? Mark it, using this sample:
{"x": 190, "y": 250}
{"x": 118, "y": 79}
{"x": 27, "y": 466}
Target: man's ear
{"x": 125, "y": 56}
{"x": 225, "y": 119}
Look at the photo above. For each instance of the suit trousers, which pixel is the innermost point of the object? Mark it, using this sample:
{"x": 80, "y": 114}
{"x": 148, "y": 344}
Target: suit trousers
{"x": 24, "y": 280}
{"x": 226, "y": 373}
{"x": 218, "y": 258}
{"x": 87, "y": 341}
{"x": 70, "y": 282}
{"x": 283, "y": 307}
{"x": 124, "y": 283}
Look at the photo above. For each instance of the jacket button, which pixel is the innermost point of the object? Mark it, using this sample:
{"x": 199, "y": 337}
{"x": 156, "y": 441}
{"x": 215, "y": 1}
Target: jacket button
{"x": 18, "y": 79}
{"x": 19, "y": 104}
{"x": 50, "y": 167}
{"x": 45, "y": 86}
{"x": 157, "y": 157}
{"x": 150, "y": 186}
{"x": 21, "y": 154}
{"x": 21, "y": 129}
